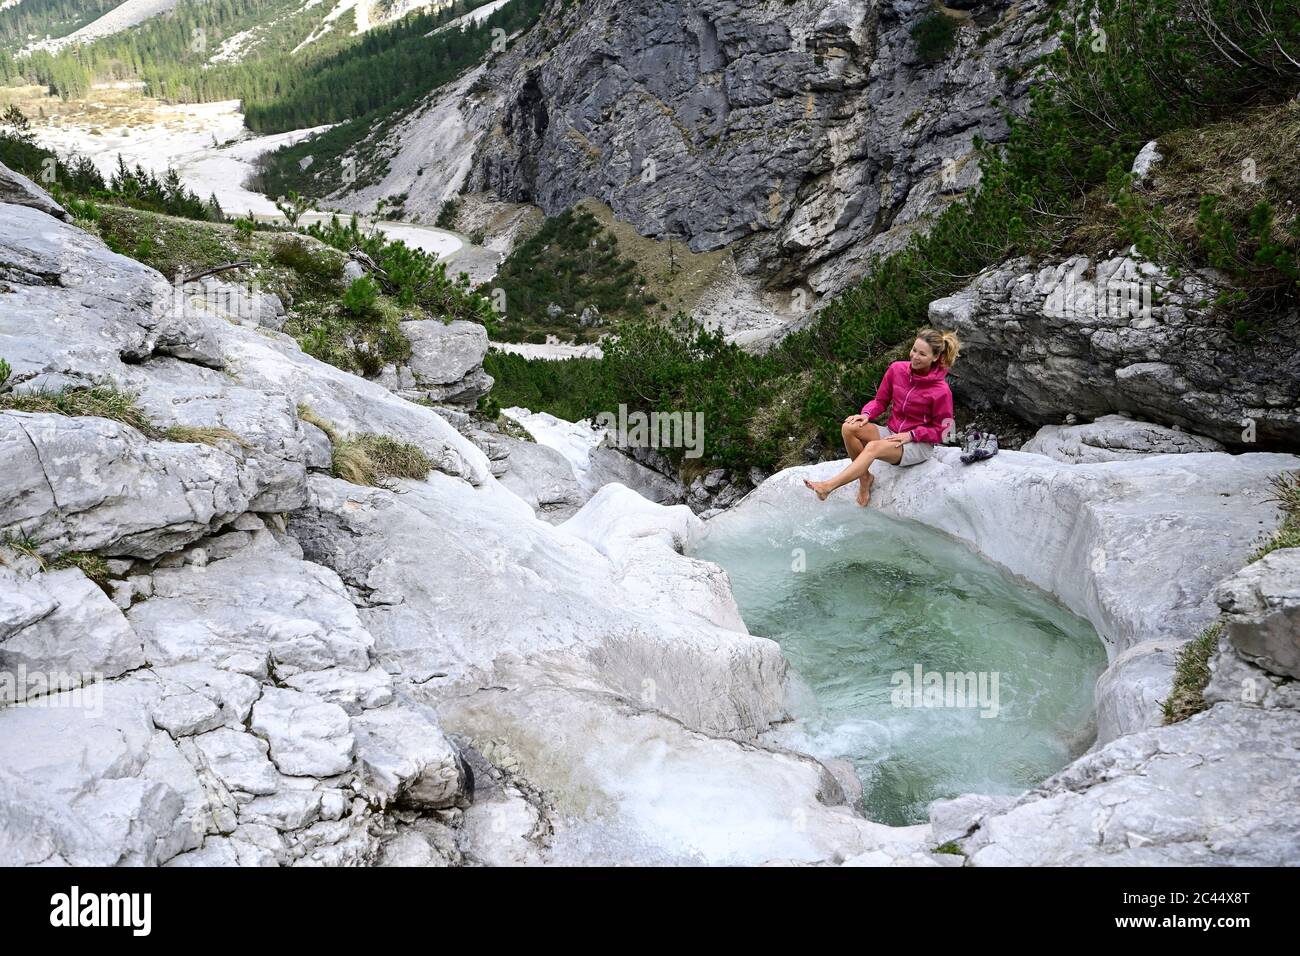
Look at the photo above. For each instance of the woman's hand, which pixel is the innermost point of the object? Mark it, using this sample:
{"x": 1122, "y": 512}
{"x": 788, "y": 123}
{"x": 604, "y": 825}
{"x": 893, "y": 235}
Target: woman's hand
{"x": 902, "y": 438}
{"x": 856, "y": 420}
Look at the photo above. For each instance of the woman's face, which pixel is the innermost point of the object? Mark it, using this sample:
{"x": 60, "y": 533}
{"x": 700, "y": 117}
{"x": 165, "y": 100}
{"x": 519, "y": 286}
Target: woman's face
{"x": 922, "y": 356}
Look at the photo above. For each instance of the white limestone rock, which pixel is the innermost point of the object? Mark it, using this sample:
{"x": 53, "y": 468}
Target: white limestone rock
{"x": 307, "y": 736}
{"x": 87, "y": 780}
{"x": 406, "y": 759}
{"x": 239, "y": 760}
{"x": 446, "y": 362}
{"x": 58, "y": 631}
{"x": 1132, "y": 690}
{"x": 90, "y": 484}
{"x": 1114, "y": 438}
{"x": 1145, "y": 161}
{"x": 184, "y": 714}
{"x": 261, "y": 611}
{"x": 543, "y": 478}
{"x": 18, "y": 190}
{"x": 1218, "y": 788}
{"x": 352, "y": 690}
{"x": 1262, "y": 608}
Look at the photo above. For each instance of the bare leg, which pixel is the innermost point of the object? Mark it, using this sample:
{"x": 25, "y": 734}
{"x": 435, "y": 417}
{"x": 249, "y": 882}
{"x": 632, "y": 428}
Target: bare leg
{"x": 875, "y": 451}
{"x": 856, "y": 438}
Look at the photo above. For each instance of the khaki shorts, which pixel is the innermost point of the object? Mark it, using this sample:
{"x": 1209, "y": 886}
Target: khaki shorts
{"x": 914, "y": 452}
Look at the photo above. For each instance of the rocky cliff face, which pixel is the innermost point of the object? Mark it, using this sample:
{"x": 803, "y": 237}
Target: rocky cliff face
{"x": 808, "y": 135}
{"x": 813, "y": 131}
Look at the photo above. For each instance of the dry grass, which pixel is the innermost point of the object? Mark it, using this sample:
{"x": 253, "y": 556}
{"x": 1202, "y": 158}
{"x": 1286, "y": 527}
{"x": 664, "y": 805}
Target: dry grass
{"x": 105, "y": 401}
{"x": 200, "y": 435}
{"x": 378, "y": 460}
{"x": 693, "y": 274}
{"x": 368, "y": 459}
{"x": 1208, "y": 161}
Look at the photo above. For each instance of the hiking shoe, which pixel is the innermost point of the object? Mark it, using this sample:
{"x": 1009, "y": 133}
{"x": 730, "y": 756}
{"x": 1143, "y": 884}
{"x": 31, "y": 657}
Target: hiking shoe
{"x": 979, "y": 447}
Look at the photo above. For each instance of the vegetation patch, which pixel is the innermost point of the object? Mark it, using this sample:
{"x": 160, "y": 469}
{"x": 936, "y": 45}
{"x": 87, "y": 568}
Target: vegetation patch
{"x": 173, "y": 246}
{"x": 91, "y": 565}
{"x": 1286, "y": 488}
{"x": 570, "y": 264}
{"x": 1222, "y": 196}
{"x": 935, "y": 36}
{"x": 201, "y": 435}
{"x": 370, "y": 459}
{"x": 1191, "y": 675}
{"x": 98, "y": 401}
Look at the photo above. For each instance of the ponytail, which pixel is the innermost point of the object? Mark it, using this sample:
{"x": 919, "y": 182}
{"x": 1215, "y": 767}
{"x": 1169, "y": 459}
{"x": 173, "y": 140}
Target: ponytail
{"x": 944, "y": 345}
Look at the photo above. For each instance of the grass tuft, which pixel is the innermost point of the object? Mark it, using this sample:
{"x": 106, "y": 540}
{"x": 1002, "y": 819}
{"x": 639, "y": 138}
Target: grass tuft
{"x": 202, "y": 435}
{"x": 1191, "y": 674}
{"x": 99, "y": 401}
{"x": 1286, "y": 492}
{"x": 91, "y": 565}
{"x": 369, "y": 459}
{"x": 378, "y": 460}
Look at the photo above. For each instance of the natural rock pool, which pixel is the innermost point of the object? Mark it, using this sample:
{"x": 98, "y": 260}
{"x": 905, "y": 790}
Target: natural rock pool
{"x": 864, "y": 604}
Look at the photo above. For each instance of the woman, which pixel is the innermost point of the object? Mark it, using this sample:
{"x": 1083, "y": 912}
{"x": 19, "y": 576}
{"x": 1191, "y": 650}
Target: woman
{"x": 921, "y": 412}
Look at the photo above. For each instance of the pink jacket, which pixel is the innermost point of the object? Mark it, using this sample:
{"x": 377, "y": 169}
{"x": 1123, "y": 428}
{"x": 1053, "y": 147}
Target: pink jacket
{"x": 921, "y": 404}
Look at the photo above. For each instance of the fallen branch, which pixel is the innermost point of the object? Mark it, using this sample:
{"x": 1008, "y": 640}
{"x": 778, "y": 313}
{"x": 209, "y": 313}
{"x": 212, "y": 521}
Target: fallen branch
{"x": 226, "y": 267}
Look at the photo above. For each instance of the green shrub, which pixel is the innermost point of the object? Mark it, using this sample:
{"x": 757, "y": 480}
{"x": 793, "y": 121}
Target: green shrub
{"x": 361, "y": 297}
{"x": 935, "y": 37}
{"x": 572, "y": 262}
{"x": 318, "y": 266}
{"x": 447, "y": 214}
{"x": 411, "y": 276}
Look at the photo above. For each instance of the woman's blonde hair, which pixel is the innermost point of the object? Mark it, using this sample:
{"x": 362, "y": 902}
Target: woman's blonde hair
{"x": 943, "y": 344}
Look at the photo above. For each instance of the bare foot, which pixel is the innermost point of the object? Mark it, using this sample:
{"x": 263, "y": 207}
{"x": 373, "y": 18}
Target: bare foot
{"x": 818, "y": 487}
{"x": 864, "y": 490}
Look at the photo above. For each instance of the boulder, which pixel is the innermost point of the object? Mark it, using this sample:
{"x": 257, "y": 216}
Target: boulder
{"x": 446, "y": 363}
{"x": 1261, "y": 604}
{"x": 18, "y": 190}
{"x": 307, "y": 736}
{"x": 405, "y": 758}
{"x": 1219, "y": 788}
{"x": 1114, "y": 438}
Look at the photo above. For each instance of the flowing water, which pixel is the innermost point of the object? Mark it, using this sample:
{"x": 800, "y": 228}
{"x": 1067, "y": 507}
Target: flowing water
{"x": 864, "y": 607}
